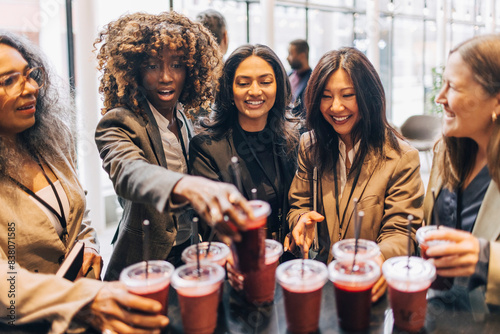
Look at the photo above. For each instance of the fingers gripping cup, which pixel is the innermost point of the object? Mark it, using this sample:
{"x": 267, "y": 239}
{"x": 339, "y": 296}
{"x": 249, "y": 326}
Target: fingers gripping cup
{"x": 249, "y": 252}
{"x": 217, "y": 253}
{"x": 440, "y": 283}
{"x": 344, "y": 249}
{"x": 198, "y": 292}
{"x": 259, "y": 285}
{"x": 302, "y": 282}
{"x": 353, "y": 291}
{"x": 408, "y": 283}
{"x": 154, "y": 286}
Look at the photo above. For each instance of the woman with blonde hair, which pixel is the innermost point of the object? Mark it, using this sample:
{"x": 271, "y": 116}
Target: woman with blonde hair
{"x": 465, "y": 175}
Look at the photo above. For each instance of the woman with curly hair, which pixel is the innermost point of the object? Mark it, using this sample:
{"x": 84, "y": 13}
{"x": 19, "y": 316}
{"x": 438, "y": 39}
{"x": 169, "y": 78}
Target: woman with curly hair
{"x": 154, "y": 68}
{"x": 251, "y": 121}
{"x": 43, "y": 209}
{"x": 357, "y": 155}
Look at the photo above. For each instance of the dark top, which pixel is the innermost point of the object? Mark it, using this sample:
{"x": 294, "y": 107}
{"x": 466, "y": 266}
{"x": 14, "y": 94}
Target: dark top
{"x": 470, "y": 202}
{"x": 210, "y": 156}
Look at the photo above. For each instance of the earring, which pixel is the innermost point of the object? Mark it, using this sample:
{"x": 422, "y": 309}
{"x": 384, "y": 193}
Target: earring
{"x": 494, "y": 117}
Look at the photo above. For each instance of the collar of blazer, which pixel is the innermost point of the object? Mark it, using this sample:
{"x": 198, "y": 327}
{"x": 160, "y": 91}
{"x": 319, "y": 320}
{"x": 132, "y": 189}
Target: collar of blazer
{"x": 154, "y": 136}
{"x": 328, "y": 193}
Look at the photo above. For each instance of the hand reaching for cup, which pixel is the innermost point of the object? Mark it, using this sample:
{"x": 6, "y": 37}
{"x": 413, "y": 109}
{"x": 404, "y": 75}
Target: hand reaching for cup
{"x": 214, "y": 201}
{"x": 303, "y": 232}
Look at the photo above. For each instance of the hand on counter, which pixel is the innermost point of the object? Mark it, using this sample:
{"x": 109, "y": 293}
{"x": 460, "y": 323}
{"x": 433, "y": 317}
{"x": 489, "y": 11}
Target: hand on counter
{"x": 213, "y": 201}
{"x": 456, "y": 258}
{"x": 114, "y": 310}
{"x": 303, "y": 232}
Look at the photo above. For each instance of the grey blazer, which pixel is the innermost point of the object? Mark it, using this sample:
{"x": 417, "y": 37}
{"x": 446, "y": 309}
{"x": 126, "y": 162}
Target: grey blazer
{"x": 132, "y": 154}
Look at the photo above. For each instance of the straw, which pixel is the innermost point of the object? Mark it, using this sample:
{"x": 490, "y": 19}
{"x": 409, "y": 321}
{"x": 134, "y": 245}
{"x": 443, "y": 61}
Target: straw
{"x": 356, "y": 232}
{"x": 315, "y": 246}
{"x": 145, "y": 244}
{"x": 195, "y": 233}
{"x": 237, "y": 173}
{"x": 434, "y": 213}
{"x": 361, "y": 214}
{"x": 254, "y": 193}
{"x": 211, "y": 236}
{"x": 410, "y": 218}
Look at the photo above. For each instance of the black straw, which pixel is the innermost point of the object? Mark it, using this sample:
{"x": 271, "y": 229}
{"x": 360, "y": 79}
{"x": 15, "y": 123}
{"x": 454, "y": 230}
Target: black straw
{"x": 145, "y": 244}
{"x": 196, "y": 239}
{"x": 410, "y": 218}
{"x": 315, "y": 245}
{"x": 237, "y": 173}
{"x": 254, "y": 193}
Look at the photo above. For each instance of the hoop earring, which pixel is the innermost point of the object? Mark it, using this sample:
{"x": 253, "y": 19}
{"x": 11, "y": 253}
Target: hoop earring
{"x": 494, "y": 117}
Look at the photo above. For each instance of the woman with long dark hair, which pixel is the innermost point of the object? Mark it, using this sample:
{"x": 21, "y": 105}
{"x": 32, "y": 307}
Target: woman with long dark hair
{"x": 251, "y": 121}
{"x": 358, "y": 155}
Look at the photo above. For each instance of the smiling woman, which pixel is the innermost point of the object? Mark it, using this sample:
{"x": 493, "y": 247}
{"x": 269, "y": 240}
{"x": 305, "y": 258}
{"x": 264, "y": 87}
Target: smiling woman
{"x": 251, "y": 121}
{"x": 358, "y": 156}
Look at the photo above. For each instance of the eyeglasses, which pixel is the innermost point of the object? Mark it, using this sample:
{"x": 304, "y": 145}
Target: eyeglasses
{"x": 13, "y": 84}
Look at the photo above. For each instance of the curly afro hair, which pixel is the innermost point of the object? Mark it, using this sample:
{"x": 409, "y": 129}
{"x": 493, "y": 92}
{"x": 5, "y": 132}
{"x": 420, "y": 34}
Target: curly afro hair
{"x": 132, "y": 39}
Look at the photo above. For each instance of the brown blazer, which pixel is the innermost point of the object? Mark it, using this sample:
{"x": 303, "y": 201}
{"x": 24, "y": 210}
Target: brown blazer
{"x": 487, "y": 226}
{"x": 388, "y": 190}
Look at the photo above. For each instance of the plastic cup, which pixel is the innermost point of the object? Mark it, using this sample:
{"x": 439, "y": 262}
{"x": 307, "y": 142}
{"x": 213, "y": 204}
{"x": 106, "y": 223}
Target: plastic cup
{"x": 353, "y": 290}
{"x": 302, "y": 282}
{"x": 249, "y": 252}
{"x": 440, "y": 283}
{"x": 218, "y": 253}
{"x": 198, "y": 292}
{"x": 259, "y": 285}
{"x": 155, "y": 286}
{"x": 344, "y": 249}
{"x": 407, "y": 290}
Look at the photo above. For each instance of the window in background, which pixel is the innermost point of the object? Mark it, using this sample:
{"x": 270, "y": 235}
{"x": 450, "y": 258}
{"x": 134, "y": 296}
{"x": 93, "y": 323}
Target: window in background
{"x": 289, "y": 24}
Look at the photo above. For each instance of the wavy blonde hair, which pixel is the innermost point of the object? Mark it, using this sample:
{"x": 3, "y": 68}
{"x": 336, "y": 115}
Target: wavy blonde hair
{"x": 129, "y": 41}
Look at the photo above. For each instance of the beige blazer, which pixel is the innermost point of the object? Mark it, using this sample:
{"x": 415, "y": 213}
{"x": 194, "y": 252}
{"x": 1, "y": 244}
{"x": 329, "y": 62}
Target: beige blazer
{"x": 26, "y": 231}
{"x": 388, "y": 190}
{"x": 487, "y": 226}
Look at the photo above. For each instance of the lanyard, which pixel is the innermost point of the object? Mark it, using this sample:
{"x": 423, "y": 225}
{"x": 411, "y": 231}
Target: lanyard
{"x": 60, "y": 216}
{"x": 356, "y": 177}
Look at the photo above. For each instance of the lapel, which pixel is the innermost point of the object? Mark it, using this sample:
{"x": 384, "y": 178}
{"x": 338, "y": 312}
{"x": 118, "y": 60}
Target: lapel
{"x": 488, "y": 212}
{"x": 154, "y": 136}
{"x": 346, "y": 206}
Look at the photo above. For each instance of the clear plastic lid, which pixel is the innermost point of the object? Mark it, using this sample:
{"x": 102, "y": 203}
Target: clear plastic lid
{"x": 413, "y": 270}
{"x": 261, "y": 210}
{"x": 202, "y": 281}
{"x": 302, "y": 275}
{"x": 217, "y": 254}
{"x": 422, "y": 231}
{"x": 274, "y": 249}
{"x": 344, "y": 249}
{"x": 159, "y": 272}
{"x": 364, "y": 272}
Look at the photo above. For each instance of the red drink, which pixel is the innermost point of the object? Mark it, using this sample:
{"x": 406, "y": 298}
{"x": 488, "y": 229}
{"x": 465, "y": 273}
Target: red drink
{"x": 199, "y": 313}
{"x": 353, "y": 286}
{"x": 409, "y": 308}
{"x": 440, "y": 283}
{"x": 198, "y": 291}
{"x": 155, "y": 285}
{"x": 302, "y": 282}
{"x": 408, "y": 279}
{"x": 259, "y": 285}
{"x": 249, "y": 252}
{"x": 302, "y": 310}
{"x": 350, "y": 298}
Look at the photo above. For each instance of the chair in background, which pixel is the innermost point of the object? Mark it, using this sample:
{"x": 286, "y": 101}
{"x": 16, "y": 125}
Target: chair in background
{"x": 422, "y": 131}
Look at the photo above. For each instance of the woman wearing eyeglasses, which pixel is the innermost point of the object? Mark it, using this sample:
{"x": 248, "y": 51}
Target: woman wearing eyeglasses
{"x": 43, "y": 210}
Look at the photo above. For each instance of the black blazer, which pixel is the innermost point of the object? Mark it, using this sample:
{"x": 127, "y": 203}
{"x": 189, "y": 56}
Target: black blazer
{"x": 210, "y": 156}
